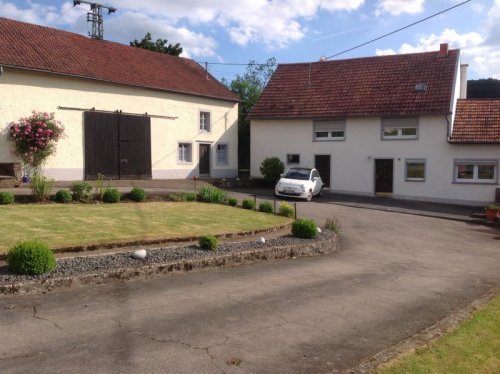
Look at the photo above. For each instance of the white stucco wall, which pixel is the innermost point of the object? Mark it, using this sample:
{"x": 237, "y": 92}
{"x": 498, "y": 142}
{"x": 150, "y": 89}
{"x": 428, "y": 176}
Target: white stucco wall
{"x": 353, "y": 160}
{"x": 24, "y": 91}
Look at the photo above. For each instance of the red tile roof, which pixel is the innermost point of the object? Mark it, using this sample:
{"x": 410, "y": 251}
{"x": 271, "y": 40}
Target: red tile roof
{"x": 33, "y": 47}
{"x": 477, "y": 121}
{"x": 371, "y": 86}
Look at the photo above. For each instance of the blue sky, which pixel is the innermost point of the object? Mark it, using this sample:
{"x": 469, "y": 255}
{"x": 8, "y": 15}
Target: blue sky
{"x": 289, "y": 30}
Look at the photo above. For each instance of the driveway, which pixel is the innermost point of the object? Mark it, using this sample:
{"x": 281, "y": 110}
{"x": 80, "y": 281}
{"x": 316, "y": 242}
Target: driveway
{"x": 394, "y": 275}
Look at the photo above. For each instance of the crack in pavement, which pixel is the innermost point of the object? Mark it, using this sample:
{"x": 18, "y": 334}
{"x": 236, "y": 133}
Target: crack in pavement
{"x": 35, "y": 312}
{"x": 19, "y": 356}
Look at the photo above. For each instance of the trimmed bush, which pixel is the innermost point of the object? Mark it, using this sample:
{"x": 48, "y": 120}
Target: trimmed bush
{"x": 232, "y": 201}
{"x": 81, "y": 191}
{"x": 212, "y": 194}
{"x": 266, "y": 207}
{"x": 6, "y": 198}
{"x": 111, "y": 195}
{"x": 286, "y": 210}
{"x": 31, "y": 258}
{"x": 272, "y": 168}
{"x": 188, "y": 196}
{"x": 63, "y": 196}
{"x": 248, "y": 204}
{"x": 304, "y": 228}
{"x": 137, "y": 194}
{"x": 208, "y": 242}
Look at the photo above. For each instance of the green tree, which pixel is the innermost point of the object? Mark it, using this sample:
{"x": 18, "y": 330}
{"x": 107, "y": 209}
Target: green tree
{"x": 248, "y": 87}
{"x": 161, "y": 45}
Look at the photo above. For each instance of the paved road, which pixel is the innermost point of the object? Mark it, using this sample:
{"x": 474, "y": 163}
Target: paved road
{"x": 394, "y": 275}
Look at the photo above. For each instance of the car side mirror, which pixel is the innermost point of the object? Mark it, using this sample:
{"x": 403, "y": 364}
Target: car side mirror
{"x": 315, "y": 179}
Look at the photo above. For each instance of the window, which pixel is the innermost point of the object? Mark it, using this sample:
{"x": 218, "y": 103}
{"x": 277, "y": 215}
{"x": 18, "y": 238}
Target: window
{"x": 185, "y": 152}
{"x": 329, "y": 130}
{"x": 293, "y": 159}
{"x": 476, "y": 171}
{"x": 204, "y": 121}
{"x": 399, "y": 128}
{"x": 221, "y": 154}
{"x": 415, "y": 170}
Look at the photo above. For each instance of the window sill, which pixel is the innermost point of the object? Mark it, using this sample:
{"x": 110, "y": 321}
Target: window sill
{"x": 414, "y": 179}
{"x": 476, "y": 183}
{"x": 329, "y": 140}
{"x": 399, "y": 138}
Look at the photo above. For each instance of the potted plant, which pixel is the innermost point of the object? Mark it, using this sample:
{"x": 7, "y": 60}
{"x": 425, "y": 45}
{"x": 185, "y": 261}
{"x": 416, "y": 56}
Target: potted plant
{"x": 492, "y": 212}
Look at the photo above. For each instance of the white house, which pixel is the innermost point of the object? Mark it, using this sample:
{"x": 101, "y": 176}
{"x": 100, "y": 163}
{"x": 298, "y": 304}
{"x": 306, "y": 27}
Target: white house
{"x": 383, "y": 126}
{"x": 128, "y": 113}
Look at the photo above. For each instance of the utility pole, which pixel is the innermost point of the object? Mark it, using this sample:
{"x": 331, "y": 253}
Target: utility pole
{"x": 95, "y": 16}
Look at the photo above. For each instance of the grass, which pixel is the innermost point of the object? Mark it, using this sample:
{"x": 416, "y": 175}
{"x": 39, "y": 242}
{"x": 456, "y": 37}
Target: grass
{"x": 474, "y": 347}
{"x": 76, "y": 224}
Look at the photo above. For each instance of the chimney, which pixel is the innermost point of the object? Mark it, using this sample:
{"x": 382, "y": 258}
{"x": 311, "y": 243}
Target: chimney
{"x": 443, "y": 50}
{"x": 463, "y": 81}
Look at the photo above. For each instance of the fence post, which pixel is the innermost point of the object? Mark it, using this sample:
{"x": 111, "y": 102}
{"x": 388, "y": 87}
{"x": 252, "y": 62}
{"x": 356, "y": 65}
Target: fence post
{"x": 255, "y": 201}
{"x": 295, "y": 209}
{"x": 274, "y": 205}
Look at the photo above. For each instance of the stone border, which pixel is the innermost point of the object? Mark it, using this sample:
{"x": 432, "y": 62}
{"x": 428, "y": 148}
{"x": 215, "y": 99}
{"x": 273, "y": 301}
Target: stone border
{"x": 422, "y": 339}
{"x": 326, "y": 245}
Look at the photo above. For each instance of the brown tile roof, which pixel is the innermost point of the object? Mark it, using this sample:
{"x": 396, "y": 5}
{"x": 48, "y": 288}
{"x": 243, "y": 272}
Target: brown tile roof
{"x": 33, "y": 47}
{"x": 371, "y": 86}
{"x": 477, "y": 121}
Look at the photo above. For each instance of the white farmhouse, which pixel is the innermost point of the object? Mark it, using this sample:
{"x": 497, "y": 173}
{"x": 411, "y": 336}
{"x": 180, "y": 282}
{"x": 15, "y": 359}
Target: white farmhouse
{"x": 128, "y": 113}
{"x": 383, "y": 126}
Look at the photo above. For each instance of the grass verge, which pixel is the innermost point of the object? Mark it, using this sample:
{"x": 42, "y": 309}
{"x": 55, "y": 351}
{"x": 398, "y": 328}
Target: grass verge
{"x": 473, "y": 347}
{"x": 82, "y": 224}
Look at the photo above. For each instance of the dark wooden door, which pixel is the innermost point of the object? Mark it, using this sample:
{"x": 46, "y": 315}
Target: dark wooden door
{"x": 322, "y": 163}
{"x": 204, "y": 165}
{"x": 383, "y": 176}
{"x": 117, "y": 146}
{"x": 101, "y": 145}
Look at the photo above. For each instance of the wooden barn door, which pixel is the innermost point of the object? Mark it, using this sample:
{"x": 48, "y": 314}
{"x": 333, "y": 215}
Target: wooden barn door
{"x": 117, "y": 146}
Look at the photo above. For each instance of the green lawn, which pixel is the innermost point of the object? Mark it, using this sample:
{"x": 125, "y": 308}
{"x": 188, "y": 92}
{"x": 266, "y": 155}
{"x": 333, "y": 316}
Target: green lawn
{"x": 474, "y": 347}
{"x": 74, "y": 224}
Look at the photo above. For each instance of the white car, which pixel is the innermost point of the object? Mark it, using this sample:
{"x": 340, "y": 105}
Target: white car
{"x": 302, "y": 183}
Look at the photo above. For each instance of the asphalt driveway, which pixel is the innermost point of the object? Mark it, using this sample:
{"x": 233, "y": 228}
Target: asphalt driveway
{"x": 394, "y": 275}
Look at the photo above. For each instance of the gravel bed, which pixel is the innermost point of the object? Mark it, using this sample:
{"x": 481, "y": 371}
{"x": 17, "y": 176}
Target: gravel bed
{"x": 89, "y": 264}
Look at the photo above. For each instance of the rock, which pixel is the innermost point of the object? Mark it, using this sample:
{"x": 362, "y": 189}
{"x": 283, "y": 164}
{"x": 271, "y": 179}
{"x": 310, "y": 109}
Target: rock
{"x": 319, "y": 230}
{"x": 139, "y": 254}
{"x": 261, "y": 240}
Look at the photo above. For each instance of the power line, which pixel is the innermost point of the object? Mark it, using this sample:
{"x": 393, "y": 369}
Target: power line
{"x": 400, "y": 29}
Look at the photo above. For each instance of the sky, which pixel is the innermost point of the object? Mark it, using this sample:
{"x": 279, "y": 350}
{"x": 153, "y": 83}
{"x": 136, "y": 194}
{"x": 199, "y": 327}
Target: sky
{"x": 238, "y": 31}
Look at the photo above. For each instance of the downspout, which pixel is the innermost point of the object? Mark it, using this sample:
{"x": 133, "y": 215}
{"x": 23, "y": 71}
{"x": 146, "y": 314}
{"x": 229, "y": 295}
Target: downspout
{"x": 448, "y": 128}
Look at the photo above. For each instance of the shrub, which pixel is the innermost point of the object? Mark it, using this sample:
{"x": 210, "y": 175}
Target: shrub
{"x": 99, "y": 186}
{"x": 208, "y": 242}
{"x": 81, "y": 191}
{"x": 333, "y": 224}
{"x": 6, "y": 198}
{"x": 41, "y": 187}
{"x": 30, "y": 257}
{"x": 286, "y": 210}
{"x": 63, "y": 196}
{"x": 304, "y": 228}
{"x": 266, "y": 207}
{"x": 272, "y": 168}
{"x": 248, "y": 204}
{"x": 137, "y": 194}
{"x": 188, "y": 196}
{"x": 212, "y": 194}
{"x": 111, "y": 195}
{"x": 232, "y": 201}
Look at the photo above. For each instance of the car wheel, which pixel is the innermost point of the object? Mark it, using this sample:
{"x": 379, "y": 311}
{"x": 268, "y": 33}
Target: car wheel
{"x": 309, "y": 196}
{"x": 320, "y": 194}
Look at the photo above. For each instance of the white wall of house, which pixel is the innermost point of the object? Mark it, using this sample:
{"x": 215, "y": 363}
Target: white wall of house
{"x": 353, "y": 159}
{"x": 24, "y": 91}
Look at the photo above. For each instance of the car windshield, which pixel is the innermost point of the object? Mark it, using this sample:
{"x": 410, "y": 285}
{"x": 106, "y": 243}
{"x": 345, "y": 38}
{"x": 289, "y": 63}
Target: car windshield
{"x": 301, "y": 174}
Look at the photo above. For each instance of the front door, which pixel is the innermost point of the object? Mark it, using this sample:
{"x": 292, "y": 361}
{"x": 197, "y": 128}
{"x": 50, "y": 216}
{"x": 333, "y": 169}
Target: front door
{"x": 322, "y": 163}
{"x": 204, "y": 166}
{"x": 383, "y": 176}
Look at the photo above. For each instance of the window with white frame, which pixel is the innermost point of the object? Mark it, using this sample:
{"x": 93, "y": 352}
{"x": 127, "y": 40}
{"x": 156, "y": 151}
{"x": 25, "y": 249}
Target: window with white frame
{"x": 205, "y": 122}
{"x": 221, "y": 154}
{"x": 476, "y": 171}
{"x": 415, "y": 170}
{"x": 185, "y": 152}
{"x": 329, "y": 130}
{"x": 292, "y": 158}
{"x": 400, "y": 128}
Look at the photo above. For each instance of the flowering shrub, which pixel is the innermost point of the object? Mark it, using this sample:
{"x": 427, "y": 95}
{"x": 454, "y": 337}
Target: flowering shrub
{"x": 35, "y": 137}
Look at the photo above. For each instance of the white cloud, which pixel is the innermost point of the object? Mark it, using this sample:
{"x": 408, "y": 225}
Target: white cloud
{"x": 41, "y": 14}
{"x": 396, "y": 7}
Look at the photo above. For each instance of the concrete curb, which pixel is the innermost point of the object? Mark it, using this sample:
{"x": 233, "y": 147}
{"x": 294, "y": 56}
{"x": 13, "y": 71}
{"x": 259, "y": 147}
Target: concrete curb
{"x": 314, "y": 248}
{"x": 424, "y": 337}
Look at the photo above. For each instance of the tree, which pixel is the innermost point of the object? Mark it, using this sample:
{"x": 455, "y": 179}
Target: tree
{"x": 159, "y": 46}
{"x": 483, "y": 88}
{"x": 248, "y": 87}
